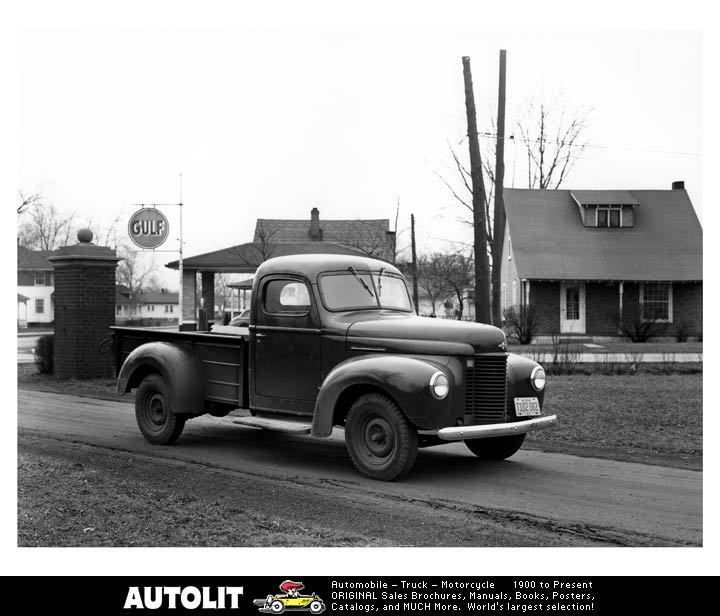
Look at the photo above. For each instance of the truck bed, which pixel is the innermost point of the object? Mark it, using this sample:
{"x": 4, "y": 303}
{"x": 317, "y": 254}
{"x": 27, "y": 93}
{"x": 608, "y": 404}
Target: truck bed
{"x": 222, "y": 358}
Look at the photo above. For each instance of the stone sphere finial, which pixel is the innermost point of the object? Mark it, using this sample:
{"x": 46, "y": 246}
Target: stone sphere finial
{"x": 85, "y": 236}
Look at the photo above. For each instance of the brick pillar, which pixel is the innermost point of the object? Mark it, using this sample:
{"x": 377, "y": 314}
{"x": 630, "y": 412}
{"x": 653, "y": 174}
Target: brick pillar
{"x": 189, "y": 307}
{"x": 84, "y": 300}
{"x": 208, "y": 297}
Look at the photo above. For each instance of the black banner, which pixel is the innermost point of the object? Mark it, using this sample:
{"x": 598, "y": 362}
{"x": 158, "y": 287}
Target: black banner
{"x": 368, "y": 595}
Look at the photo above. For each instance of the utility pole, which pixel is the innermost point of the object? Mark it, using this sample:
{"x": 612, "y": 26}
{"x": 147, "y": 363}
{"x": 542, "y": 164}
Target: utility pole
{"x": 499, "y": 211}
{"x": 482, "y": 295}
{"x": 414, "y": 262}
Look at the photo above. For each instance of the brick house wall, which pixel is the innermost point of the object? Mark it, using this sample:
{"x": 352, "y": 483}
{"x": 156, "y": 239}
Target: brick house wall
{"x": 602, "y": 307}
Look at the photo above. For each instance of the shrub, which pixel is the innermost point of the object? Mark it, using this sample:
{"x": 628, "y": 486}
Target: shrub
{"x": 639, "y": 329}
{"x": 44, "y": 353}
{"x": 521, "y": 323}
{"x": 682, "y": 331}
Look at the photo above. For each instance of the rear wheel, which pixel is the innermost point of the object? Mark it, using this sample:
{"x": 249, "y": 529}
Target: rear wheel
{"x": 497, "y": 448}
{"x": 380, "y": 441}
{"x": 153, "y": 412}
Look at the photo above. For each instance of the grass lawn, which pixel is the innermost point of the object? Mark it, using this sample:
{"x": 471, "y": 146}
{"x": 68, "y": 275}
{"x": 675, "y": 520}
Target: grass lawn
{"x": 648, "y": 418}
{"x": 616, "y": 347}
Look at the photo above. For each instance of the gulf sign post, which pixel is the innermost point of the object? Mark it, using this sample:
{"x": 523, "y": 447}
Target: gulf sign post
{"x": 148, "y": 228}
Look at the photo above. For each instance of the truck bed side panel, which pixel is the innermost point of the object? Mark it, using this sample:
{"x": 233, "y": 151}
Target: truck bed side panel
{"x": 223, "y": 359}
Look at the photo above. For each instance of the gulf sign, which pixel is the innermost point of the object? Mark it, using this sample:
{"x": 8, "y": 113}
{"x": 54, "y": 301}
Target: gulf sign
{"x": 148, "y": 228}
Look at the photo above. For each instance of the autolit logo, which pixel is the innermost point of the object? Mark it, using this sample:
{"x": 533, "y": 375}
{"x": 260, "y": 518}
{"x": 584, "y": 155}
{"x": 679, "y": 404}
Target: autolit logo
{"x": 290, "y": 599}
{"x": 187, "y": 597}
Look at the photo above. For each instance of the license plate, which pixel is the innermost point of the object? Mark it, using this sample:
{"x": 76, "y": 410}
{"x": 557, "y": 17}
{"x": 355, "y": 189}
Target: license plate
{"x": 525, "y": 407}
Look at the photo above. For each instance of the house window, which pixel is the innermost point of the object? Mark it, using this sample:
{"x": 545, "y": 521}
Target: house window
{"x": 656, "y": 301}
{"x": 39, "y": 306}
{"x": 151, "y": 307}
{"x": 39, "y": 279}
{"x": 118, "y": 310}
{"x": 608, "y": 217}
{"x": 168, "y": 308}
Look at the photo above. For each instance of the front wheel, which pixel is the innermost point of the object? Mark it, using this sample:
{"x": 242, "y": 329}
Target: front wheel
{"x": 380, "y": 441}
{"x": 497, "y": 448}
{"x": 155, "y": 417}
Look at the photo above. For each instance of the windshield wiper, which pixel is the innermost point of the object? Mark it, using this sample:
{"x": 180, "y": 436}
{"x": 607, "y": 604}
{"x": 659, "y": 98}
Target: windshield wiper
{"x": 361, "y": 281}
{"x": 380, "y": 273}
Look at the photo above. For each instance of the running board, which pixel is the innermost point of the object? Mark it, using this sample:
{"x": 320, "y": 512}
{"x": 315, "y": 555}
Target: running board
{"x": 277, "y": 425}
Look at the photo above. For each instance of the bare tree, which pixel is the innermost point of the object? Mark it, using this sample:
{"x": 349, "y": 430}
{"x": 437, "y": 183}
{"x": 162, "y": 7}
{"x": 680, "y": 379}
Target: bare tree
{"x": 371, "y": 240}
{"x": 459, "y": 271}
{"x": 552, "y": 141}
{"x": 552, "y": 138}
{"x": 432, "y": 278}
{"x": 223, "y": 293}
{"x": 42, "y": 226}
{"x": 27, "y": 199}
{"x": 262, "y": 248}
{"x": 132, "y": 272}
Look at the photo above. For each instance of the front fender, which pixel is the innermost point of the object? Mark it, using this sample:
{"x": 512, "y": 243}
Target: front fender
{"x": 405, "y": 379}
{"x": 179, "y": 369}
{"x": 518, "y": 377}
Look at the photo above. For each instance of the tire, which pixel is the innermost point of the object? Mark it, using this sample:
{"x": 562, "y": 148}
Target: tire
{"x": 380, "y": 441}
{"x": 316, "y": 607}
{"x": 277, "y": 607}
{"x": 497, "y": 448}
{"x": 155, "y": 417}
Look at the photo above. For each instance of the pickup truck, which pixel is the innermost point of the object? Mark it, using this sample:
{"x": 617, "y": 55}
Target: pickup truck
{"x": 335, "y": 341}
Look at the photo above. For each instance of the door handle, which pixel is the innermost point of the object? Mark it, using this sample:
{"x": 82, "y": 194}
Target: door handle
{"x": 260, "y": 335}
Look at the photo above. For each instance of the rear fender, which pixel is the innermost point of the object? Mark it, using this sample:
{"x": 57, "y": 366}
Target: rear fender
{"x": 405, "y": 379}
{"x": 179, "y": 369}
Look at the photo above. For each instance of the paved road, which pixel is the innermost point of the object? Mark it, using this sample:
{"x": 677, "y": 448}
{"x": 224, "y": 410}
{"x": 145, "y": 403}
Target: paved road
{"x": 585, "y": 501}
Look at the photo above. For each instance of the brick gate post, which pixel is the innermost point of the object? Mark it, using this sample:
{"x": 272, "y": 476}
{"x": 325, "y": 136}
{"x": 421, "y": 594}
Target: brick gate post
{"x": 84, "y": 307}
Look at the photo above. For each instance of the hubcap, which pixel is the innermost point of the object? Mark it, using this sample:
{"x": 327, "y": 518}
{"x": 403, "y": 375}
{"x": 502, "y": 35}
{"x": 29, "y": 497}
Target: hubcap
{"x": 378, "y": 437}
{"x": 156, "y": 411}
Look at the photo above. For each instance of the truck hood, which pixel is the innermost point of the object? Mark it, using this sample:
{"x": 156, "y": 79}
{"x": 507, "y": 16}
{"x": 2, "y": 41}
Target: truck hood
{"x": 413, "y": 334}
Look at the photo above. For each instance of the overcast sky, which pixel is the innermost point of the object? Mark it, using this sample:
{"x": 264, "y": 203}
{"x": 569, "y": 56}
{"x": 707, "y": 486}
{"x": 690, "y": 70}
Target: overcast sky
{"x": 272, "y": 123}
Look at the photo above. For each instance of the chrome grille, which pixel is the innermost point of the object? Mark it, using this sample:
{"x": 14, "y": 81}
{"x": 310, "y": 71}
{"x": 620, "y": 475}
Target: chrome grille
{"x": 486, "y": 389}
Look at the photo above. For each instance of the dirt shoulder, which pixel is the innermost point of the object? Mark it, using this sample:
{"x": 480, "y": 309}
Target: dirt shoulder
{"x": 73, "y": 494}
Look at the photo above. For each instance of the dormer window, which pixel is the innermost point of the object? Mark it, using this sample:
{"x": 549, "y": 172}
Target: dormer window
{"x": 608, "y": 217}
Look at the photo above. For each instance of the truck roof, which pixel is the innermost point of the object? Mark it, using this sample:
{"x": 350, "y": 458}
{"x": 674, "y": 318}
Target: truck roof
{"x": 312, "y": 265}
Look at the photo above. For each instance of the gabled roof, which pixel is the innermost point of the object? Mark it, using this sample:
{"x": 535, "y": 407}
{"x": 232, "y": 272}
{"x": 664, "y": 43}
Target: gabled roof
{"x": 248, "y": 257}
{"x": 342, "y": 231}
{"x": 550, "y": 242}
{"x": 34, "y": 259}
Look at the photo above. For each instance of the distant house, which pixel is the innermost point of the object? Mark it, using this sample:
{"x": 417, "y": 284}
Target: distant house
{"x": 156, "y": 306}
{"x": 35, "y": 284}
{"x": 587, "y": 259}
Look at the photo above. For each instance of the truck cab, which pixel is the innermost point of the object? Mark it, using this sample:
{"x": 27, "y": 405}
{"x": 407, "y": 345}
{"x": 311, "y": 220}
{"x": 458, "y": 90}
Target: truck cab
{"x": 334, "y": 341}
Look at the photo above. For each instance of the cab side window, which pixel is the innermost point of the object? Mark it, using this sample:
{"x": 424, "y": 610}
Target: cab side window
{"x": 286, "y": 297}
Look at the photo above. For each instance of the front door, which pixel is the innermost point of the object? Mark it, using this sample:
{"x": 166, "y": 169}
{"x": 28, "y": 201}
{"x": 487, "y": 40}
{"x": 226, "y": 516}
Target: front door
{"x": 572, "y": 308}
{"x": 285, "y": 346}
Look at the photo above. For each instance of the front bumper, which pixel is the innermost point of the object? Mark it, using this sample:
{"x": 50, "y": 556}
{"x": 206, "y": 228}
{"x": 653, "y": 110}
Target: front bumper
{"x": 461, "y": 433}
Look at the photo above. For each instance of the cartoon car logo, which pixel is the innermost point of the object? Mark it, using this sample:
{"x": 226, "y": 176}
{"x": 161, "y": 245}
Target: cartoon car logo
{"x": 290, "y": 599}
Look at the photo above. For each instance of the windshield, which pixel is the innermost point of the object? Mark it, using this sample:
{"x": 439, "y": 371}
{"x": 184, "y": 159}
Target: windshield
{"x": 354, "y": 290}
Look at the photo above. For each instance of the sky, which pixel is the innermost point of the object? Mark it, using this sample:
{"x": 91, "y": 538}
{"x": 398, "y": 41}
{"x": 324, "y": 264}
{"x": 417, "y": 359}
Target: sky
{"x": 271, "y": 123}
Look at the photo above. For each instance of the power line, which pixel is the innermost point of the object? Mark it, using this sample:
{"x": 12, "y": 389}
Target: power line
{"x": 587, "y": 145}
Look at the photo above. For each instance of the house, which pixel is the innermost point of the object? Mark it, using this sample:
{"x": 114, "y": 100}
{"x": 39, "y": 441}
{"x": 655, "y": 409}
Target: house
{"x": 153, "y": 307}
{"x": 35, "y": 284}
{"x": 594, "y": 262}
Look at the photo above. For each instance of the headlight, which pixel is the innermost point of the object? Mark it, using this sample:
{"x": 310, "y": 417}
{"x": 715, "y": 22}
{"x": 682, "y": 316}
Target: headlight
{"x": 439, "y": 386}
{"x": 537, "y": 378}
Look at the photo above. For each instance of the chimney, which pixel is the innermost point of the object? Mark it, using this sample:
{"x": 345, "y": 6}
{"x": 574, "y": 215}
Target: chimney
{"x": 315, "y": 230}
{"x": 679, "y": 185}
